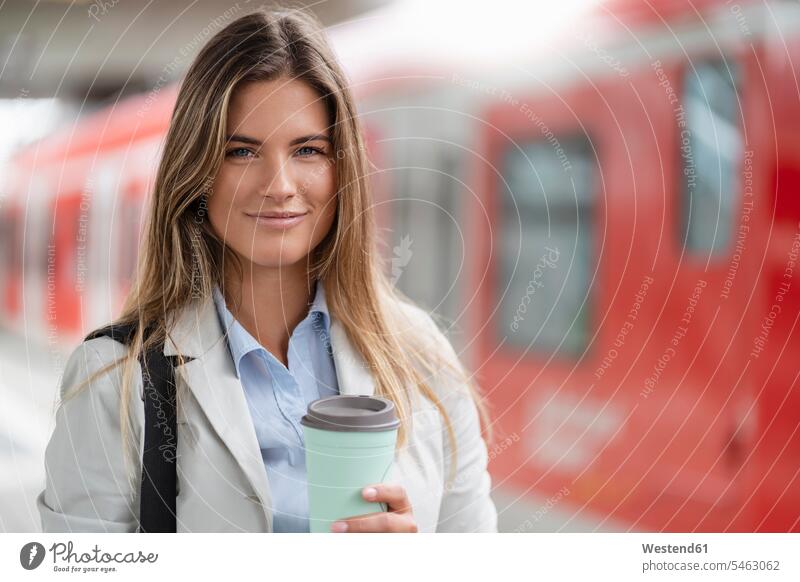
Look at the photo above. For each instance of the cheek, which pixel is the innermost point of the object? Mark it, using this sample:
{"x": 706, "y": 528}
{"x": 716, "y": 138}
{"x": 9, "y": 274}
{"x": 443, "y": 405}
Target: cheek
{"x": 324, "y": 216}
{"x": 219, "y": 211}
{"x": 222, "y": 209}
{"x": 321, "y": 195}
{"x": 230, "y": 183}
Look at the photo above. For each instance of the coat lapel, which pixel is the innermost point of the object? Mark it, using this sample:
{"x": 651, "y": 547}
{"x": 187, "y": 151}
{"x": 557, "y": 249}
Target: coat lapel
{"x": 211, "y": 378}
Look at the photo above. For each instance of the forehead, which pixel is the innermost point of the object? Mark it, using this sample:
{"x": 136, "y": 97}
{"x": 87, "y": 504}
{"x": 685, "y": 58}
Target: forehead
{"x": 279, "y": 107}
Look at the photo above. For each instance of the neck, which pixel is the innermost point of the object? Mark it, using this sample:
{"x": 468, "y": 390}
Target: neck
{"x": 273, "y": 302}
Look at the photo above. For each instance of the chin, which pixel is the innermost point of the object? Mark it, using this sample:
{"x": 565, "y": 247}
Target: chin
{"x": 276, "y": 260}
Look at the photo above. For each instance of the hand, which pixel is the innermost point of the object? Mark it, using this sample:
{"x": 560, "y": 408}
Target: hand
{"x": 399, "y": 518}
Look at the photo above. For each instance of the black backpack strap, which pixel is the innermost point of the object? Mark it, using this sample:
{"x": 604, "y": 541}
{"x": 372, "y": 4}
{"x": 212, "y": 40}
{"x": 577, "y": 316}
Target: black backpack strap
{"x": 157, "y": 511}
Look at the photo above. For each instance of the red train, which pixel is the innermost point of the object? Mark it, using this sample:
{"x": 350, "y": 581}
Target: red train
{"x": 604, "y": 207}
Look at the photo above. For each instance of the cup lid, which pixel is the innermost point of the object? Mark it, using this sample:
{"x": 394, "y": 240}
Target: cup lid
{"x": 351, "y": 414}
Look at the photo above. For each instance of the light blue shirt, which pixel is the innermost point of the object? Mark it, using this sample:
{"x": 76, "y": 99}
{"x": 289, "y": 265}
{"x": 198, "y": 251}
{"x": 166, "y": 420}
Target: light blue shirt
{"x": 278, "y": 398}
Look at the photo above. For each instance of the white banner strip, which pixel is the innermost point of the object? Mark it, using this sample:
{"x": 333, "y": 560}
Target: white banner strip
{"x": 235, "y": 557}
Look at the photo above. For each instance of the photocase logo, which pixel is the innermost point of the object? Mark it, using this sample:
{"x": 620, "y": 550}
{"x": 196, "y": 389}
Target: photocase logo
{"x": 31, "y": 555}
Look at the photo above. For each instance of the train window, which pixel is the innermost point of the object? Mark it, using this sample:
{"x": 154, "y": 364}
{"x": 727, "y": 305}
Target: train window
{"x": 711, "y": 148}
{"x": 545, "y": 244}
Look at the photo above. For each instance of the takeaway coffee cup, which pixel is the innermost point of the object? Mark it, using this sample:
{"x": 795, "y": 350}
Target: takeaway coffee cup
{"x": 350, "y": 442}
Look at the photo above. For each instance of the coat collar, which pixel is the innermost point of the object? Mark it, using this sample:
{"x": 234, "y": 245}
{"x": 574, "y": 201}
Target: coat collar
{"x": 197, "y": 333}
{"x": 211, "y": 378}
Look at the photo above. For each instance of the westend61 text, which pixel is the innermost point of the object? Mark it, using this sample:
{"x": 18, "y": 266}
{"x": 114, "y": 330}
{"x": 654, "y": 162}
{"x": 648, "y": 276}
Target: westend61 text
{"x": 670, "y": 549}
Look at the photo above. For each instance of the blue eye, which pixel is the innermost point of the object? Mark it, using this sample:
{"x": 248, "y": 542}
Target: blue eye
{"x": 237, "y": 152}
{"x": 312, "y": 149}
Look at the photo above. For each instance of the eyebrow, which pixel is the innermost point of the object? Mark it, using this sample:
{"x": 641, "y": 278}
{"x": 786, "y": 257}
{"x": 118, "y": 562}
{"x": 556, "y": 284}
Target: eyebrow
{"x": 298, "y": 140}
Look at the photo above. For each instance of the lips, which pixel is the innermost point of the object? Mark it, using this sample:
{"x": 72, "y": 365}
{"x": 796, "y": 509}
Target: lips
{"x": 281, "y": 220}
{"x": 283, "y": 214}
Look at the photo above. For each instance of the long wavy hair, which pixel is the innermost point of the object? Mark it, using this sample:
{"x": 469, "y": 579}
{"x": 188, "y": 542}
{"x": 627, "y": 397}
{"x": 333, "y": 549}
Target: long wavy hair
{"x": 182, "y": 259}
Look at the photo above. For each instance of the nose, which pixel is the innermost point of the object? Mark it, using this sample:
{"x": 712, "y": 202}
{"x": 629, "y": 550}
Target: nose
{"x": 279, "y": 181}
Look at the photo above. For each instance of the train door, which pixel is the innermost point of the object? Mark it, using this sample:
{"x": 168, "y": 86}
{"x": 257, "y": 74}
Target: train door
{"x": 700, "y": 396}
{"x": 549, "y": 229}
{"x": 427, "y": 240}
{"x": 36, "y": 227}
{"x": 12, "y": 263}
{"x": 776, "y": 339}
{"x": 127, "y": 239}
{"x": 66, "y": 267}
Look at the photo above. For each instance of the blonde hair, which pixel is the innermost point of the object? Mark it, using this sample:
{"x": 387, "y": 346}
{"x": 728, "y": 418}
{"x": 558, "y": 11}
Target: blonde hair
{"x": 183, "y": 258}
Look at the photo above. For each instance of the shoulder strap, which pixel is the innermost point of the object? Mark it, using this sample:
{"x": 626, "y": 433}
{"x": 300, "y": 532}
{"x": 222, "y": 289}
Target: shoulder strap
{"x": 159, "y": 467}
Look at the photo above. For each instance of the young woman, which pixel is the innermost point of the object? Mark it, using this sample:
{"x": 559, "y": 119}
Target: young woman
{"x": 260, "y": 275}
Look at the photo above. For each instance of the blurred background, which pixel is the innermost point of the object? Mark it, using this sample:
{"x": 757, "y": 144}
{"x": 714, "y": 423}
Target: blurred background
{"x": 598, "y": 198}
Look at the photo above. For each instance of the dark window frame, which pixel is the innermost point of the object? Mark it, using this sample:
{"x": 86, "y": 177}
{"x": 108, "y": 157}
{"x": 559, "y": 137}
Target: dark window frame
{"x": 691, "y": 241}
{"x": 574, "y": 144}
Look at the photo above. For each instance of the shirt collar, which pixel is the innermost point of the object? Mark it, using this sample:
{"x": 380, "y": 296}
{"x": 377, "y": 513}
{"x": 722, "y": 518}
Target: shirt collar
{"x": 240, "y": 342}
{"x": 320, "y": 305}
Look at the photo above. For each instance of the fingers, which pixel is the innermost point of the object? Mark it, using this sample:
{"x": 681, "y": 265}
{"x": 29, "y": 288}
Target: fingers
{"x": 399, "y": 518}
{"x": 391, "y": 494}
{"x": 380, "y": 522}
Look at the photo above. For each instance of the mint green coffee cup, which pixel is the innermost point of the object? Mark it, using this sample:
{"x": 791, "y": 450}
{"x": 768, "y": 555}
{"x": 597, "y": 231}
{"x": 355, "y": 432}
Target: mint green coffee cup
{"x": 350, "y": 442}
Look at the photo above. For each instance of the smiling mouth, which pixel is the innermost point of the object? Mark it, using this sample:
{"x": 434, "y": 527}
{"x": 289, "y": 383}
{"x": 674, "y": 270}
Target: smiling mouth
{"x": 278, "y": 219}
{"x": 283, "y": 214}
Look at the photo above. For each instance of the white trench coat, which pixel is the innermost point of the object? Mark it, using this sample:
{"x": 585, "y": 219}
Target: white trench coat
{"x": 222, "y": 483}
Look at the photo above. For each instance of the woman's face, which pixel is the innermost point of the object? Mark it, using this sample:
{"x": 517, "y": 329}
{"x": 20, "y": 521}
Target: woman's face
{"x": 274, "y": 197}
